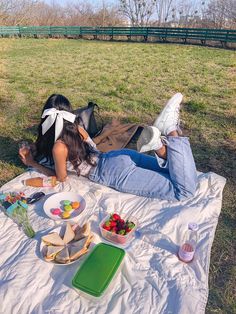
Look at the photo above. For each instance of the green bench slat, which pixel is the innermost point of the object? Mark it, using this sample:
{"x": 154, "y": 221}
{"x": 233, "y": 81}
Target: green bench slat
{"x": 161, "y": 32}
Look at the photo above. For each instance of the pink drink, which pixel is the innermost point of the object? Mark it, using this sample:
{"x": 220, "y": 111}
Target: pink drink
{"x": 186, "y": 252}
{"x": 187, "y": 249}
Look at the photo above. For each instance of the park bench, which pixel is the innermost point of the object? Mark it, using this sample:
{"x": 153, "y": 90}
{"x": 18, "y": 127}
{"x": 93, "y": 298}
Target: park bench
{"x": 28, "y": 31}
{"x": 72, "y": 31}
{"x": 57, "y": 31}
{"x": 164, "y": 34}
{"x": 9, "y": 31}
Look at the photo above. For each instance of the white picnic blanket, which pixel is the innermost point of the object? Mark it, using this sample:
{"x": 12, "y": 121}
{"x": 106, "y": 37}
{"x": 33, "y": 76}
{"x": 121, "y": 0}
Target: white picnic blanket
{"x": 151, "y": 279}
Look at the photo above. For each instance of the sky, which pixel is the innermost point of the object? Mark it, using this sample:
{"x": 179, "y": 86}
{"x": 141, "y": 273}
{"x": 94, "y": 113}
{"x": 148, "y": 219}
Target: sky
{"x": 99, "y": 2}
{"x": 61, "y": 2}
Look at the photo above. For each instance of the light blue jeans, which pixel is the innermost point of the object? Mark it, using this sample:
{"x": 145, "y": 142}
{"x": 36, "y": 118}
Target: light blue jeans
{"x": 128, "y": 171}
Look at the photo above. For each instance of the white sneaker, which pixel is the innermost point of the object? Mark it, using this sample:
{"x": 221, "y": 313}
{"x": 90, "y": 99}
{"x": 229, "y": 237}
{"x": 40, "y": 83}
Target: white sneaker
{"x": 168, "y": 119}
{"x": 150, "y": 139}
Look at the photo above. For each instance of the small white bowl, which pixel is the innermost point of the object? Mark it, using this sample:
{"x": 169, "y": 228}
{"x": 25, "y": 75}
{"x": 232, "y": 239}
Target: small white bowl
{"x": 56, "y": 201}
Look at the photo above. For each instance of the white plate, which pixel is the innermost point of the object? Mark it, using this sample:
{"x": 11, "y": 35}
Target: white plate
{"x": 56, "y": 201}
{"x": 43, "y": 247}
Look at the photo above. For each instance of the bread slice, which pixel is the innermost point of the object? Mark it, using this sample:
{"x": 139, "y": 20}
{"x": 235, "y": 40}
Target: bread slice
{"x": 82, "y": 232}
{"x": 52, "y": 251}
{"x": 89, "y": 240}
{"x": 63, "y": 256}
{"x": 77, "y": 255}
{"x": 79, "y": 248}
{"x": 69, "y": 234}
{"x": 53, "y": 239}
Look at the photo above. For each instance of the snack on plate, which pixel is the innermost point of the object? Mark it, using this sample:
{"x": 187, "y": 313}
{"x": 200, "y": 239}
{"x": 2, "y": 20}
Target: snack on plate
{"x": 56, "y": 211}
{"x": 65, "y": 215}
{"x": 69, "y": 234}
{"x": 53, "y": 239}
{"x": 75, "y": 205}
{"x": 63, "y": 257}
{"x": 82, "y": 232}
{"x": 77, "y": 250}
{"x": 52, "y": 252}
{"x": 117, "y": 225}
{"x": 66, "y": 248}
{"x": 67, "y": 208}
{"x": 66, "y": 202}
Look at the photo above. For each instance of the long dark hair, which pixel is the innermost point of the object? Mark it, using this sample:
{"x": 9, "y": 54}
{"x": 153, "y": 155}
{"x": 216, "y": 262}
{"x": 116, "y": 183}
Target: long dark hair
{"x": 78, "y": 149}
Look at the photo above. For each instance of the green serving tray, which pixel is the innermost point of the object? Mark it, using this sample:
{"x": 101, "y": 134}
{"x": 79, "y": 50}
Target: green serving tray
{"x": 97, "y": 271}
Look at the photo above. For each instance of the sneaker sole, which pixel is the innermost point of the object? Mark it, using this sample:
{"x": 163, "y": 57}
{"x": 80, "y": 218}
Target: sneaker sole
{"x": 177, "y": 98}
{"x": 150, "y": 139}
{"x": 145, "y": 137}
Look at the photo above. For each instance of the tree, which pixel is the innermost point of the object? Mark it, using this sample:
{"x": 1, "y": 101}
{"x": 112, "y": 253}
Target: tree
{"x": 222, "y": 13}
{"x": 138, "y": 12}
{"x": 85, "y": 14}
{"x": 163, "y": 8}
{"x": 45, "y": 14}
{"x": 13, "y": 12}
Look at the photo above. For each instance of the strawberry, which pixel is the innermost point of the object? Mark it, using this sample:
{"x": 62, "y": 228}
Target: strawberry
{"x": 127, "y": 230}
{"x": 106, "y": 227}
{"x": 114, "y": 230}
{"x": 115, "y": 217}
{"x": 113, "y": 223}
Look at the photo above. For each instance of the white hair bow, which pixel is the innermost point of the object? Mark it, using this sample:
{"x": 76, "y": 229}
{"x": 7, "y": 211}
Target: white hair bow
{"x": 58, "y": 115}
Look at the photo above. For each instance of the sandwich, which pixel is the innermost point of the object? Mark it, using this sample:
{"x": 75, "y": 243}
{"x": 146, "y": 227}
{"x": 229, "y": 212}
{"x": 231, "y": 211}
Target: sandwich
{"x": 80, "y": 248}
{"x": 69, "y": 234}
{"x": 53, "y": 239}
{"x": 51, "y": 252}
{"x": 63, "y": 256}
{"x": 82, "y": 232}
{"x": 68, "y": 248}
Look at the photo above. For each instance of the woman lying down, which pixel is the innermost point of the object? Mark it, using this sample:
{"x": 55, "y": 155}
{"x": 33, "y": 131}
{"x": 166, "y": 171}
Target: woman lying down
{"x": 170, "y": 175}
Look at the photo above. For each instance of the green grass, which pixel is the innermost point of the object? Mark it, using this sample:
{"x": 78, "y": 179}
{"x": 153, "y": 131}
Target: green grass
{"x": 132, "y": 81}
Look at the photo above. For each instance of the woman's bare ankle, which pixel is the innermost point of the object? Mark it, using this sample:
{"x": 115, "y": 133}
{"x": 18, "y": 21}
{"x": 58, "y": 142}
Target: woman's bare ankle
{"x": 173, "y": 133}
{"x": 162, "y": 152}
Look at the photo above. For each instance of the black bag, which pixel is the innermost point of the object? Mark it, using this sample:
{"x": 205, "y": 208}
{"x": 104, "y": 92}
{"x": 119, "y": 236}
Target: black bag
{"x": 90, "y": 119}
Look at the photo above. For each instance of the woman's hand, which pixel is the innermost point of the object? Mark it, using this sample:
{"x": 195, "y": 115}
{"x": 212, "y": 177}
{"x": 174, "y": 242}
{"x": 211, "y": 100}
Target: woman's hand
{"x": 83, "y": 133}
{"x": 26, "y": 157}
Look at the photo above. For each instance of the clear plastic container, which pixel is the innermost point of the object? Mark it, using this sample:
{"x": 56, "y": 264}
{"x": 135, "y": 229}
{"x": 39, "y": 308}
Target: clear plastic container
{"x": 119, "y": 239}
{"x": 188, "y": 246}
{"x": 98, "y": 270}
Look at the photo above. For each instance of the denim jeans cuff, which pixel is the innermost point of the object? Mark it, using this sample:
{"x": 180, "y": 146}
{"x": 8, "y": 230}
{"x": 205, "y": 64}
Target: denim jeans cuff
{"x": 176, "y": 139}
{"x": 163, "y": 163}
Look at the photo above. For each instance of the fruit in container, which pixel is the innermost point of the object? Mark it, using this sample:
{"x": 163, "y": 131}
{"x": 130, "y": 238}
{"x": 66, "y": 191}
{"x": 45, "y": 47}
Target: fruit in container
{"x": 117, "y": 225}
